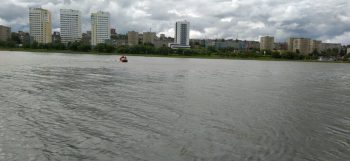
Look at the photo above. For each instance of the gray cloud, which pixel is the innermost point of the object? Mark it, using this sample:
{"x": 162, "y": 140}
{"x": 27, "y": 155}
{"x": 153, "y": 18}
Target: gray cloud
{"x": 326, "y": 20}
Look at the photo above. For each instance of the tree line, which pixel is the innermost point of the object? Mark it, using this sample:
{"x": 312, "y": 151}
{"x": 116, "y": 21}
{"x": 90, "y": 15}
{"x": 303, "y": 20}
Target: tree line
{"x": 150, "y": 49}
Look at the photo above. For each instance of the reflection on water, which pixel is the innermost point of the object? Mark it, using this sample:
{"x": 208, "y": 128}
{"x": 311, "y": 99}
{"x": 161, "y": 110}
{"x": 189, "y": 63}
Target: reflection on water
{"x": 84, "y": 107}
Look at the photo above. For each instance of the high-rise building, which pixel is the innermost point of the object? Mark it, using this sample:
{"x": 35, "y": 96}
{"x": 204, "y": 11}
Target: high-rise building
{"x": 267, "y": 43}
{"x": 70, "y": 23}
{"x": 301, "y": 45}
{"x": 148, "y": 37}
{"x": 133, "y": 38}
{"x": 5, "y": 33}
{"x": 40, "y": 25}
{"x": 290, "y": 42}
{"x": 315, "y": 45}
{"x": 100, "y": 31}
{"x": 182, "y": 35}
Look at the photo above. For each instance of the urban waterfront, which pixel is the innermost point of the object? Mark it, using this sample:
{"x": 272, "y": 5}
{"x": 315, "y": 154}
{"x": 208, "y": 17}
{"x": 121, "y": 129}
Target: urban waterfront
{"x": 89, "y": 107}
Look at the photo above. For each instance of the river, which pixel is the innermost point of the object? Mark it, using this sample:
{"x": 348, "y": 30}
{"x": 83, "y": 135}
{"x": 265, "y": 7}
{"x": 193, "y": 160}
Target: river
{"x": 70, "y": 107}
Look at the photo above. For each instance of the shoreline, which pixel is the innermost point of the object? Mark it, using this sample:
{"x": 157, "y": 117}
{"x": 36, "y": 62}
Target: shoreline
{"x": 263, "y": 58}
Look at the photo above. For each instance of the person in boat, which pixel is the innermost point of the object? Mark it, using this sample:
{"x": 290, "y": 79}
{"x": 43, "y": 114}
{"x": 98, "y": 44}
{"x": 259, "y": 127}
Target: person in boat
{"x": 123, "y": 58}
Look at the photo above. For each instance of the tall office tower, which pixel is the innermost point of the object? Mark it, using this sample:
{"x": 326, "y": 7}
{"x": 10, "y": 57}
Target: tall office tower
{"x": 100, "y": 23}
{"x": 70, "y": 23}
{"x": 267, "y": 43}
{"x": 40, "y": 25}
{"x": 182, "y": 33}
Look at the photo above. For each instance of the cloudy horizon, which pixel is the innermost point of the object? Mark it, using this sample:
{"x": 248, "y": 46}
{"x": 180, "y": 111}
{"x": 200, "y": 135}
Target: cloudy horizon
{"x": 327, "y": 20}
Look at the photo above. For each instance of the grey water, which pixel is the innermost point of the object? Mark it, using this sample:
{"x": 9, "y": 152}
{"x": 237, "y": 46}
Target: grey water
{"x": 69, "y": 107}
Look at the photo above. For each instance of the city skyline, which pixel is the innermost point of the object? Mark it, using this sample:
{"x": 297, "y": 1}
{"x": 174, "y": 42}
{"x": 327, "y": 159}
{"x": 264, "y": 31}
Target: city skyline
{"x": 327, "y": 21}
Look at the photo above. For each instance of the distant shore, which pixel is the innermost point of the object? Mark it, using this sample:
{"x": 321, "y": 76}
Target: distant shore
{"x": 261, "y": 58}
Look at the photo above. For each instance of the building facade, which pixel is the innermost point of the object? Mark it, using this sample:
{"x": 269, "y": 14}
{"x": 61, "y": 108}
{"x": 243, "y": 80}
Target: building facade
{"x": 290, "y": 43}
{"x": 330, "y": 46}
{"x": 133, "y": 38}
{"x": 280, "y": 46}
{"x": 162, "y": 42}
{"x": 315, "y": 45}
{"x": 40, "y": 25}
{"x": 100, "y": 31}
{"x": 267, "y": 43}
{"x": 182, "y": 34}
{"x": 301, "y": 46}
{"x": 70, "y": 23}
{"x": 149, "y": 37}
{"x": 5, "y": 33}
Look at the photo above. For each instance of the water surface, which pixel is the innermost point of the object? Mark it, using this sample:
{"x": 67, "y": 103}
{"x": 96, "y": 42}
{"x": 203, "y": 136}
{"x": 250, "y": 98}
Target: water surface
{"x": 87, "y": 108}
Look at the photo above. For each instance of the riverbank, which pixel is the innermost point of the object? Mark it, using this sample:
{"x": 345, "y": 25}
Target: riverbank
{"x": 260, "y": 58}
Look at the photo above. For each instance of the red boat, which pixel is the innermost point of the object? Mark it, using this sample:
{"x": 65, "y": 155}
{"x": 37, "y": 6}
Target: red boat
{"x": 123, "y": 59}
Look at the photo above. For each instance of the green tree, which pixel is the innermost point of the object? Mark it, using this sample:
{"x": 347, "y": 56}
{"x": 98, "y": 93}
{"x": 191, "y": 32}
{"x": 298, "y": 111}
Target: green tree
{"x": 15, "y": 37}
{"x": 276, "y": 54}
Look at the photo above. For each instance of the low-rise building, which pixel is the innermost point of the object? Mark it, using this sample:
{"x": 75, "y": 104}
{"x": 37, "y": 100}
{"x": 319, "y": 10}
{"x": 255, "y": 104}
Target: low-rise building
{"x": 120, "y": 42}
{"x": 348, "y": 50}
{"x": 162, "y": 43}
{"x": 330, "y": 46}
{"x": 281, "y": 46}
{"x": 252, "y": 45}
{"x": 241, "y": 45}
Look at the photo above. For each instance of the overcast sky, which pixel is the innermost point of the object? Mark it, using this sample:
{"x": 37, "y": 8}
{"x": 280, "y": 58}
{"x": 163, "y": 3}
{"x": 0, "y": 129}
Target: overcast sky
{"x": 327, "y": 20}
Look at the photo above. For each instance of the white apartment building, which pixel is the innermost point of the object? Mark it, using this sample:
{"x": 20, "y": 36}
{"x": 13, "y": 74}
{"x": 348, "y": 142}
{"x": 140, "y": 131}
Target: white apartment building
{"x": 100, "y": 23}
{"x": 40, "y": 25}
{"x": 182, "y": 35}
{"x": 70, "y": 23}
